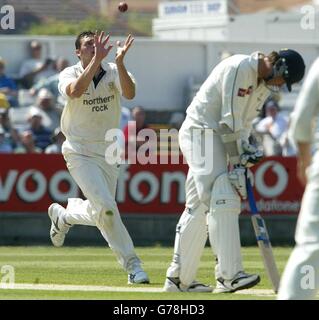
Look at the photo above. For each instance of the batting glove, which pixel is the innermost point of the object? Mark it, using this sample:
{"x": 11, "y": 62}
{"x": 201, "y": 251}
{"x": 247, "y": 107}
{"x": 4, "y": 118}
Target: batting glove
{"x": 250, "y": 156}
{"x": 237, "y": 178}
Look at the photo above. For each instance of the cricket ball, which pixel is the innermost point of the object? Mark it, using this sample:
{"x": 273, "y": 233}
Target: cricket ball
{"x": 123, "y": 6}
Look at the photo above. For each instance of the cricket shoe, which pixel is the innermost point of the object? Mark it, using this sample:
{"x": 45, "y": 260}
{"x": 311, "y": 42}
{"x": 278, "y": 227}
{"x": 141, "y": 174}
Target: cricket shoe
{"x": 139, "y": 276}
{"x": 241, "y": 281}
{"x": 175, "y": 285}
{"x": 59, "y": 227}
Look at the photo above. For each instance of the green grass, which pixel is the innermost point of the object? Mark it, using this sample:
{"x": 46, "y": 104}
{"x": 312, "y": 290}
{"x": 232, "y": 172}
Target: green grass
{"x": 98, "y": 266}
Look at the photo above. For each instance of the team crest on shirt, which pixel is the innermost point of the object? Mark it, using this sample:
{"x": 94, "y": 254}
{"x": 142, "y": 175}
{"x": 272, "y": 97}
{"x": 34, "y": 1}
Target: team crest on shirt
{"x": 111, "y": 85}
{"x": 241, "y": 92}
{"x": 245, "y": 92}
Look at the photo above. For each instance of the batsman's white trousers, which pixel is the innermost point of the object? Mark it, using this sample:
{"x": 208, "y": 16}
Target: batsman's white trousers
{"x": 191, "y": 231}
{"x": 97, "y": 179}
{"x": 300, "y": 279}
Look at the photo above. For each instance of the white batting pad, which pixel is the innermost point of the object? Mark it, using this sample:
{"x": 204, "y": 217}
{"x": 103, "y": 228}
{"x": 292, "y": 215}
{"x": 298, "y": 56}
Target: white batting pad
{"x": 223, "y": 228}
{"x": 191, "y": 236}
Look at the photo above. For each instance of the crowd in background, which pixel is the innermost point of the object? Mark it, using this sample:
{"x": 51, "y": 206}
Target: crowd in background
{"x": 271, "y": 128}
{"x": 31, "y": 107}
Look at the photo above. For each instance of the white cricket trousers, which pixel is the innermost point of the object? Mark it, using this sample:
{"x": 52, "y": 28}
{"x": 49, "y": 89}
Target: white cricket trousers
{"x": 199, "y": 218}
{"x": 300, "y": 280}
{"x": 97, "y": 179}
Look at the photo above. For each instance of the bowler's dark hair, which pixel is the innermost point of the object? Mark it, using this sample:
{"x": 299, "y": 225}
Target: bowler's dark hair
{"x": 83, "y": 34}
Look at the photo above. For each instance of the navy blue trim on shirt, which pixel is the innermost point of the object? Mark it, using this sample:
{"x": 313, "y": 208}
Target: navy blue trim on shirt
{"x": 233, "y": 94}
{"x": 97, "y": 79}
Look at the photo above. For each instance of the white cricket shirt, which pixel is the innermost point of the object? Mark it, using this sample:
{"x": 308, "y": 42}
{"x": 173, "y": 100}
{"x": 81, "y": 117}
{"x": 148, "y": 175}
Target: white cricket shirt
{"x": 86, "y": 119}
{"x": 230, "y": 95}
{"x": 307, "y": 107}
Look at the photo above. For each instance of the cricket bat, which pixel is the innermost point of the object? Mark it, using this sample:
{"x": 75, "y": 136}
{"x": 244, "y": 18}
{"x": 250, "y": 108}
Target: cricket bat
{"x": 263, "y": 239}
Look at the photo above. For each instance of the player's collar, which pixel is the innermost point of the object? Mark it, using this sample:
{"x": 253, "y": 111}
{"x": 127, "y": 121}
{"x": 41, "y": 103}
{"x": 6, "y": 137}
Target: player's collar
{"x": 253, "y": 60}
{"x": 97, "y": 79}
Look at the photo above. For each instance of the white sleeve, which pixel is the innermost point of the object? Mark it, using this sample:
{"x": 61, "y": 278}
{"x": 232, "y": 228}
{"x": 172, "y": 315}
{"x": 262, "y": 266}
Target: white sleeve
{"x": 234, "y": 83}
{"x": 280, "y": 126}
{"x": 307, "y": 107}
{"x": 66, "y": 77}
{"x": 262, "y": 125}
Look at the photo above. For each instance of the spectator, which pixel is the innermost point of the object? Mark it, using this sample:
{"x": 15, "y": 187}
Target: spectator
{"x": 27, "y": 143}
{"x": 58, "y": 138}
{"x": 4, "y": 103}
{"x": 35, "y": 69}
{"x": 41, "y": 134}
{"x": 125, "y": 117}
{"x": 11, "y": 133}
{"x": 46, "y": 105}
{"x": 287, "y": 143}
{"x": 8, "y": 86}
{"x": 272, "y": 127}
{"x": 138, "y": 119}
{"x": 51, "y": 83}
{"x": 5, "y": 146}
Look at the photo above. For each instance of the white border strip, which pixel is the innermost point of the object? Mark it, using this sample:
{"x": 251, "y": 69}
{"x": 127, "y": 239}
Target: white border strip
{"x": 60, "y": 287}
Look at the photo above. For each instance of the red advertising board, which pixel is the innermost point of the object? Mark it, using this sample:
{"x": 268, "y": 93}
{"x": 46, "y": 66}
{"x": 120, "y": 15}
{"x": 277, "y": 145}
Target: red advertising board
{"x": 276, "y": 187}
{"x": 30, "y": 183}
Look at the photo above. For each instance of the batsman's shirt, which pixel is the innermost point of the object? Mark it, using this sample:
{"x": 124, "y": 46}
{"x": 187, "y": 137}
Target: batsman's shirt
{"x": 86, "y": 119}
{"x": 230, "y": 95}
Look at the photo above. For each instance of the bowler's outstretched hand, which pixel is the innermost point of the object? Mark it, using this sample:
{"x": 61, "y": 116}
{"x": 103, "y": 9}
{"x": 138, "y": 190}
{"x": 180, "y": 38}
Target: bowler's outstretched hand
{"x": 121, "y": 50}
{"x": 102, "y": 48}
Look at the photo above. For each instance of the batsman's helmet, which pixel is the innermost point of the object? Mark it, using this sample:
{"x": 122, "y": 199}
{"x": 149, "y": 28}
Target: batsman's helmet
{"x": 290, "y": 66}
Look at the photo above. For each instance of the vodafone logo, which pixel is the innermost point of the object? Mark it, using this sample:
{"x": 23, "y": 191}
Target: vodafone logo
{"x": 158, "y": 187}
{"x": 137, "y": 180}
{"x": 42, "y": 185}
{"x": 274, "y": 190}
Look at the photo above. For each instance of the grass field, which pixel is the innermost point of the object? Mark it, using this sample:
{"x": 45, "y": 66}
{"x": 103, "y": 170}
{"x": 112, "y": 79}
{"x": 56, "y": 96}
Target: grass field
{"x": 93, "y": 273}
